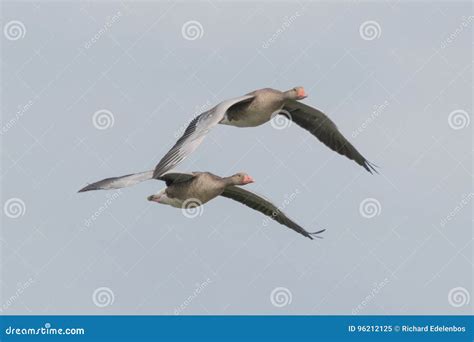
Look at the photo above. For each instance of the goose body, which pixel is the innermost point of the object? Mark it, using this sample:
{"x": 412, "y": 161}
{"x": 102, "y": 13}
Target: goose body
{"x": 184, "y": 190}
{"x": 202, "y": 187}
{"x": 255, "y": 109}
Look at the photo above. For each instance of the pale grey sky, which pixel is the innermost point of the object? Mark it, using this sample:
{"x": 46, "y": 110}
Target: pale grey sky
{"x": 396, "y": 77}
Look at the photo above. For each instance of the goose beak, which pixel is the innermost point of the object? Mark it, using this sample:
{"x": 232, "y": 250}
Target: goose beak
{"x": 301, "y": 93}
{"x": 152, "y": 198}
{"x": 248, "y": 180}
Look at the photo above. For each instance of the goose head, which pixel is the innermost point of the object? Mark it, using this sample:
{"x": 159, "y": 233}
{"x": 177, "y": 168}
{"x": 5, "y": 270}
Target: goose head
{"x": 241, "y": 178}
{"x": 297, "y": 93}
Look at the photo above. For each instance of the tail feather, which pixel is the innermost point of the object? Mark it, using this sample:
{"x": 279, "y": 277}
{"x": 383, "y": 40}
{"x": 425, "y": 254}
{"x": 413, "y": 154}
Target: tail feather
{"x": 119, "y": 182}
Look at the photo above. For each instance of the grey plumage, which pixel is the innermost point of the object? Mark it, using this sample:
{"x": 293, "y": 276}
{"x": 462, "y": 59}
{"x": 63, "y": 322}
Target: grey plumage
{"x": 257, "y": 108}
{"x": 194, "y": 135}
{"x": 119, "y": 182}
{"x": 256, "y": 202}
{"x": 204, "y": 186}
{"x": 323, "y": 128}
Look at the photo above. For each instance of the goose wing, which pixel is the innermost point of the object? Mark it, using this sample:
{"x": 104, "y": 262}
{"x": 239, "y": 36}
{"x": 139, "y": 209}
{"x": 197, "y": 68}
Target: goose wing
{"x": 267, "y": 208}
{"x": 119, "y": 182}
{"x": 176, "y": 177}
{"x": 323, "y": 128}
{"x": 195, "y": 134}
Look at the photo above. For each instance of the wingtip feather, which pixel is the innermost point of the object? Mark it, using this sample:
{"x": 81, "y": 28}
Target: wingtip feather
{"x": 371, "y": 167}
{"x": 316, "y": 234}
{"x": 88, "y": 188}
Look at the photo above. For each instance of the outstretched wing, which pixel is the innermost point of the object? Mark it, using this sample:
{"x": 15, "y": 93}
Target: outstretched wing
{"x": 119, "y": 182}
{"x": 318, "y": 124}
{"x": 267, "y": 208}
{"x": 135, "y": 178}
{"x": 194, "y": 135}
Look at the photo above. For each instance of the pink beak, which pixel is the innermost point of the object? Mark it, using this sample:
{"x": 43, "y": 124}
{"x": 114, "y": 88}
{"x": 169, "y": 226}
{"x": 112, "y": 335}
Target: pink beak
{"x": 248, "y": 179}
{"x": 301, "y": 93}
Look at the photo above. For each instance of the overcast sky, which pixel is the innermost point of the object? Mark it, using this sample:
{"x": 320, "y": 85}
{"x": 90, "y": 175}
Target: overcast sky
{"x": 99, "y": 89}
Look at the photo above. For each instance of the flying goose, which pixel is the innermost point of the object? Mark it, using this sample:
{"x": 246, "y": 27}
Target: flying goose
{"x": 195, "y": 189}
{"x": 257, "y": 108}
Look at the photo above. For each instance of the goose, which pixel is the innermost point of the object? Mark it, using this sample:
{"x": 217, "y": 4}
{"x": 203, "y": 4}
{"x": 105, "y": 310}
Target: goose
{"x": 190, "y": 190}
{"x": 255, "y": 109}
